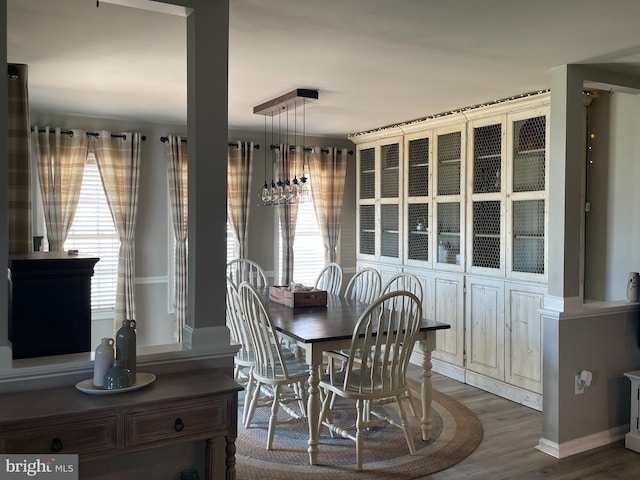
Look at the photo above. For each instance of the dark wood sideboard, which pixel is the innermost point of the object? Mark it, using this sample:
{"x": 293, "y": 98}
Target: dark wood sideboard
{"x": 50, "y": 303}
{"x": 178, "y": 407}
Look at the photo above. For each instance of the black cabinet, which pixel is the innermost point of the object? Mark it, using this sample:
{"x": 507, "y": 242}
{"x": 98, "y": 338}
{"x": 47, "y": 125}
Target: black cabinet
{"x": 50, "y": 303}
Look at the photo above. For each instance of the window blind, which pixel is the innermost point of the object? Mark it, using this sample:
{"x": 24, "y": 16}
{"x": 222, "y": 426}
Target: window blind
{"x": 93, "y": 233}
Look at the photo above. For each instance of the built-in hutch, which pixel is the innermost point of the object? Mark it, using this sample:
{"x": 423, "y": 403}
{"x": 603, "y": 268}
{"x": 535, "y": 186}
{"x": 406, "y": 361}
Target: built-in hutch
{"x": 459, "y": 199}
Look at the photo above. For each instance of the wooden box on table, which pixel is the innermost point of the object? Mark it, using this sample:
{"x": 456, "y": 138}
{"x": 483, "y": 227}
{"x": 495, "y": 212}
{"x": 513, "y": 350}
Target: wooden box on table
{"x": 305, "y": 297}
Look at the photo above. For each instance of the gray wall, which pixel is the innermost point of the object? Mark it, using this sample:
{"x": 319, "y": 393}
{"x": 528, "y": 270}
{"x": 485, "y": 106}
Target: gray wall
{"x": 598, "y": 336}
{"x": 613, "y": 190}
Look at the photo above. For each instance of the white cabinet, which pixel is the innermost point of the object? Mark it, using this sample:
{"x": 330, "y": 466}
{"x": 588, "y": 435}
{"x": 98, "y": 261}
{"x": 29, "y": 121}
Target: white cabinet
{"x": 485, "y": 326}
{"x": 447, "y": 302}
{"x": 504, "y": 338}
{"x": 460, "y": 200}
{"x": 523, "y": 335}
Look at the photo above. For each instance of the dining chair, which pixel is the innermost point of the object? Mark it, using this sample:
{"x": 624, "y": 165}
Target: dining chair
{"x": 330, "y": 279}
{"x": 364, "y": 286}
{"x": 404, "y": 281}
{"x": 384, "y": 335}
{"x": 243, "y": 269}
{"x": 279, "y": 378}
{"x": 240, "y": 334}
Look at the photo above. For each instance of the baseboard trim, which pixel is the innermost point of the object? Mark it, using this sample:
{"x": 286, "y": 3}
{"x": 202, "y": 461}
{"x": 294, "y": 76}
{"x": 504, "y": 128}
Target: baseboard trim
{"x": 448, "y": 370}
{"x": 582, "y": 444}
{"x": 504, "y": 390}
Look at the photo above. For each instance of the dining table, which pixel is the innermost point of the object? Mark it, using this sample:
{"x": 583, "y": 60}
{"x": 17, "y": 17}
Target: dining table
{"x": 317, "y": 329}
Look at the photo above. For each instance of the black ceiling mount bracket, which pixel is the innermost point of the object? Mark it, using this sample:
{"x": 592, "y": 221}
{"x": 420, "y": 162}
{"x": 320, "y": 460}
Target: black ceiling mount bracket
{"x": 292, "y": 99}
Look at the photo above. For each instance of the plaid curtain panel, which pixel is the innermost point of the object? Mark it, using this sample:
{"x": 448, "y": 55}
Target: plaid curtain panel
{"x": 60, "y": 158}
{"x": 118, "y": 161}
{"x": 289, "y": 164}
{"x": 239, "y": 167}
{"x": 177, "y": 172}
{"x": 18, "y": 166}
{"x": 327, "y": 172}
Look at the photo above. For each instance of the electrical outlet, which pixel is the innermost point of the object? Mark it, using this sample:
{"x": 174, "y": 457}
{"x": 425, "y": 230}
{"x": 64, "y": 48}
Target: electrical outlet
{"x": 579, "y": 387}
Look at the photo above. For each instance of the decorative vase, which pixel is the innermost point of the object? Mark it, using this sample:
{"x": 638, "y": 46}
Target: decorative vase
{"x": 632, "y": 286}
{"x": 126, "y": 346}
{"x": 118, "y": 376}
{"x": 103, "y": 359}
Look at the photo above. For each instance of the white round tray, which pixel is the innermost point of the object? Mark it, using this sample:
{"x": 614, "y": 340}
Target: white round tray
{"x": 142, "y": 380}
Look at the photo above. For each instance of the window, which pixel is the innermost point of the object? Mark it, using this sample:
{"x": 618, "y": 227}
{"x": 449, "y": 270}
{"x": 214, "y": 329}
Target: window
{"x": 93, "y": 233}
{"x": 232, "y": 245}
{"x": 308, "y": 249}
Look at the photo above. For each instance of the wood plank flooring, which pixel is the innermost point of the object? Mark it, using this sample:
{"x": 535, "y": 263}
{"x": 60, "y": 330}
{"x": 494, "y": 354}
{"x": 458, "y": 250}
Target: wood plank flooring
{"x": 511, "y": 433}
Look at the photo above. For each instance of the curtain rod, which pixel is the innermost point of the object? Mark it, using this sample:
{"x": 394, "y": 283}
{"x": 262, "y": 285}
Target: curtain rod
{"x": 306, "y": 149}
{"x": 90, "y": 134}
{"x": 231, "y": 144}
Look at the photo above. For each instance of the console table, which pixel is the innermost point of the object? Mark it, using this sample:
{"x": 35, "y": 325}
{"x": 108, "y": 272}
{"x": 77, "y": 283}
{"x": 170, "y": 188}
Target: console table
{"x": 178, "y": 407}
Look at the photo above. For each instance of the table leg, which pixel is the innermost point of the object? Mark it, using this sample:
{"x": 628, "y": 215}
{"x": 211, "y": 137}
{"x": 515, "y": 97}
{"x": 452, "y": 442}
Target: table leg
{"x": 426, "y": 347}
{"x": 313, "y": 412}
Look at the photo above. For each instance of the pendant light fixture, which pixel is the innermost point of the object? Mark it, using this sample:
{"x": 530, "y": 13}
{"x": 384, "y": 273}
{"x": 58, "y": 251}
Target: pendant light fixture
{"x": 285, "y": 191}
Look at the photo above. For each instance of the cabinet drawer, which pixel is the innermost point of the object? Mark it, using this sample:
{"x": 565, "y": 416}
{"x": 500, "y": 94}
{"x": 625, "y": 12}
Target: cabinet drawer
{"x": 166, "y": 423}
{"x": 89, "y": 437}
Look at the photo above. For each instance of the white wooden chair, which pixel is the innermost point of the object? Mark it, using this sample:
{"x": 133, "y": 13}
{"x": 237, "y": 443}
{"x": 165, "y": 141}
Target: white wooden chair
{"x": 243, "y": 269}
{"x": 279, "y": 377}
{"x": 409, "y": 282}
{"x": 244, "y": 358}
{"x": 364, "y": 286}
{"x": 330, "y": 279}
{"x": 384, "y": 335}
{"x": 404, "y": 281}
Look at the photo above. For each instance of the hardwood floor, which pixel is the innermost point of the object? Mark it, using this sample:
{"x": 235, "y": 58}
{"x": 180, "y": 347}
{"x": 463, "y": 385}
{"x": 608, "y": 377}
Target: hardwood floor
{"x": 511, "y": 433}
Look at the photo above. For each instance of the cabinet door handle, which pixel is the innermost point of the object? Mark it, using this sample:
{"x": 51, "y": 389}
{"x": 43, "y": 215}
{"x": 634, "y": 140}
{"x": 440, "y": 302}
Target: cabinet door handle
{"x": 56, "y": 445}
{"x": 178, "y": 425}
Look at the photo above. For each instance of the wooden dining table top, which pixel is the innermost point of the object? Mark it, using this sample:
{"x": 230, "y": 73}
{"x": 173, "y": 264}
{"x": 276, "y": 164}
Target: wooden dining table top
{"x": 336, "y": 321}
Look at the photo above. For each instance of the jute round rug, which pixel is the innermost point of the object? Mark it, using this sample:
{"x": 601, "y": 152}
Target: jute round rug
{"x": 456, "y": 433}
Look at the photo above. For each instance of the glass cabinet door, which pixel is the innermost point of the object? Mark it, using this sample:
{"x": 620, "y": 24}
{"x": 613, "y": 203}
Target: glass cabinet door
{"x": 487, "y": 158}
{"x": 486, "y": 234}
{"x": 418, "y": 220}
{"x": 529, "y": 153}
{"x": 390, "y": 170}
{"x": 448, "y": 200}
{"x": 367, "y": 173}
{"x": 368, "y": 229}
{"x": 418, "y": 241}
{"x": 527, "y": 198}
{"x": 487, "y": 204}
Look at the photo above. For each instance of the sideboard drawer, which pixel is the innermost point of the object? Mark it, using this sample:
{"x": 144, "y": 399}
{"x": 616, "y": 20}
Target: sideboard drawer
{"x": 167, "y": 423}
{"x": 96, "y": 436}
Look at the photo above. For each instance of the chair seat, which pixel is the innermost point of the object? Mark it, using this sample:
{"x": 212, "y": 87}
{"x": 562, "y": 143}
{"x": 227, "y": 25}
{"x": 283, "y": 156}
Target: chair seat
{"x": 296, "y": 368}
{"x": 247, "y": 356}
{"x": 363, "y": 385}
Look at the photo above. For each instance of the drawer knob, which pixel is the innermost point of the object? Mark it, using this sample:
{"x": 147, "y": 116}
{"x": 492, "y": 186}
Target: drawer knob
{"x": 56, "y": 445}
{"x": 178, "y": 425}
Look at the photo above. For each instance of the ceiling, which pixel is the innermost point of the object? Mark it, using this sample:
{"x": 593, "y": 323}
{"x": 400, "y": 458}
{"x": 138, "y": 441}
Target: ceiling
{"x": 374, "y": 62}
